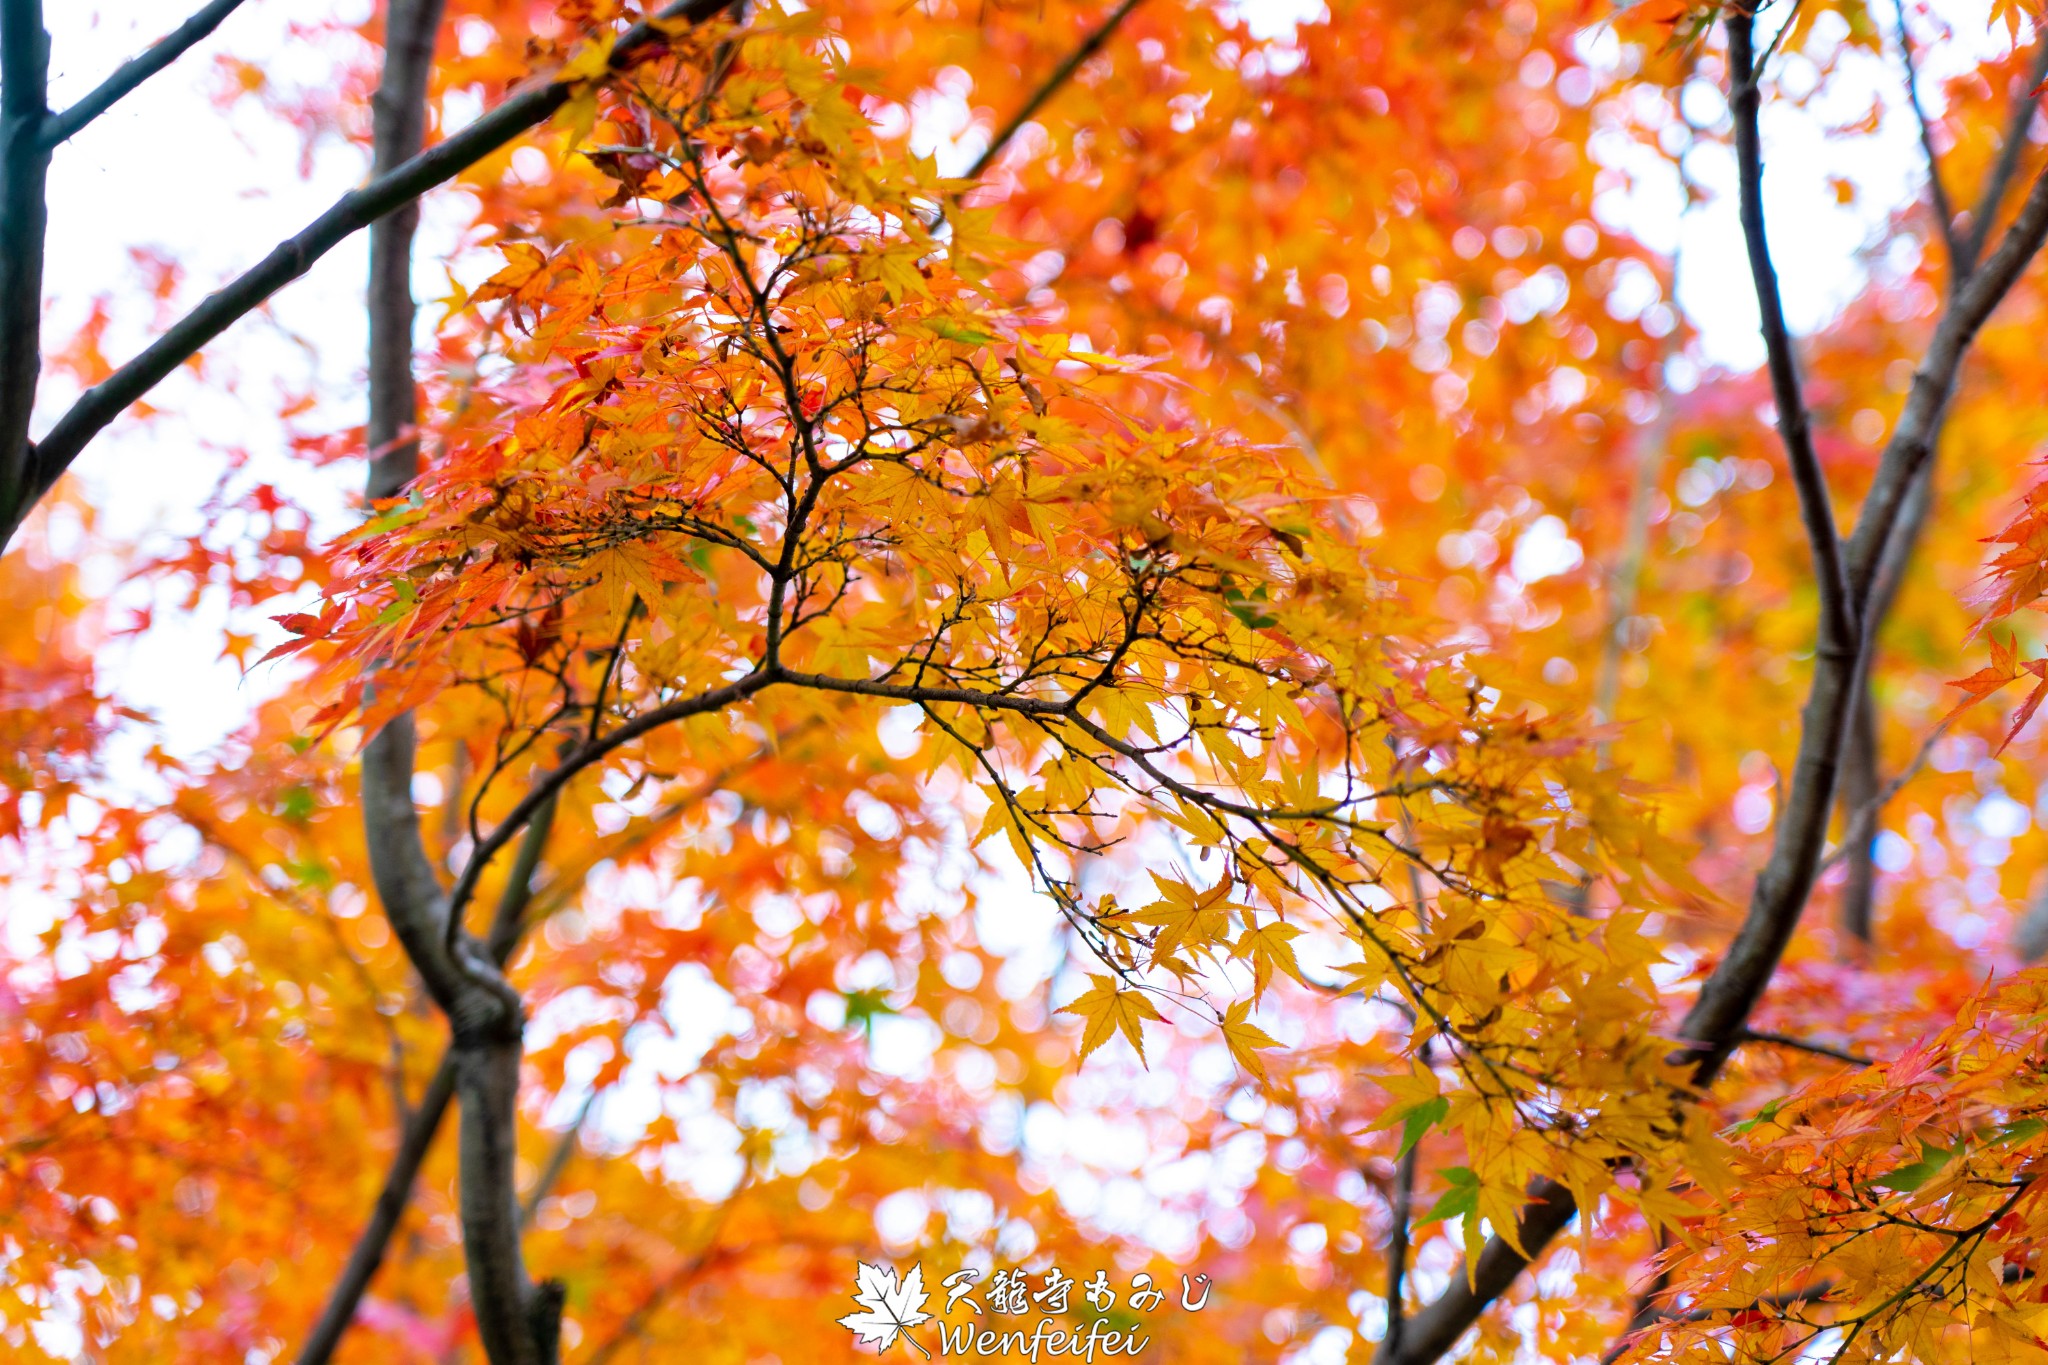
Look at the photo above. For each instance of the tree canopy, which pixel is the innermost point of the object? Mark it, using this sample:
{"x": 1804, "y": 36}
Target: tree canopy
{"x": 972, "y": 646}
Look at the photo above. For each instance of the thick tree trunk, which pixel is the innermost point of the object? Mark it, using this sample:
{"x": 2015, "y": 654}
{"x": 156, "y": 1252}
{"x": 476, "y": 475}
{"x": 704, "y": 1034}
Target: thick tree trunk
{"x": 519, "y": 1325}
{"x": 24, "y": 221}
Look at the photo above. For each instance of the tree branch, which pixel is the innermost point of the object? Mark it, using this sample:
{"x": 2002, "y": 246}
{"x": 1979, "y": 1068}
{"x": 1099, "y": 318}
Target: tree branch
{"x": 558, "y": 1161}
{"x": 1937, "y": 192}
{"x": 354, "y": 211}
{"x": 1984, "y": 217}
{"x": 1862, "y": 793}
{"x": 399, "y": 129}
{"x": 1750, "y": 1035}
{"x": 518, "y": 1322}
{"x": 1063, "y": 73}
{"x": 132, "y": 73}
{"x": 543, "y": 792}
{"x": 1912, "y": 440}
{"x": 1816, "y": 507}
{"x": 1400, "y": 1207}
{"x": 24, "y": 223}
{"x": 1715, "y": 1024}
{"x": 368, "y": 1255}
{"x": 1812, "y": 1293}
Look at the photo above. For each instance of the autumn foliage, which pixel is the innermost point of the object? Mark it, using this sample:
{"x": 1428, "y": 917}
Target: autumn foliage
{"x": 1045, "y": 640}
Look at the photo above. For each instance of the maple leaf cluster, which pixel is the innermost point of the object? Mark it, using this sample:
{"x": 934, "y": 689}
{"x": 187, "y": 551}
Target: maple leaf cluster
{"x": 1208, "y": 694}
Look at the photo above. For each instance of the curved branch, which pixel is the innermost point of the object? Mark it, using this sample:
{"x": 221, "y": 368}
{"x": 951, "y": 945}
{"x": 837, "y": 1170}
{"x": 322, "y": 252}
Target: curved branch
{"x": 1816, "y": 506}
{"x": 542, "y": 793}
{"x": 1750, "y": 1035}
{"x": 1934, "y": 383}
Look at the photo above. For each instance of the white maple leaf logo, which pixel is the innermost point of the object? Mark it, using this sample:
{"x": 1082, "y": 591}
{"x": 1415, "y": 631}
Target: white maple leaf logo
{"x": 891, "y": 1308}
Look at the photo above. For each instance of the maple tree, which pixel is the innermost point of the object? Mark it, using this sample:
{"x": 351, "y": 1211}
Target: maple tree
{"x": 1264, "y": 539}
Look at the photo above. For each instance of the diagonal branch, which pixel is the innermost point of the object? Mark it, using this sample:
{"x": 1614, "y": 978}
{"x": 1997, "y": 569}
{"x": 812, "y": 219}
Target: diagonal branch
{"x": 1984, "y": 217}
{"x": 1816, "y": 507}
{"x": 1934, "y": 383}
{"x": 558, "y": 1161}
{"x": 105, "y": 401}
{"x": 1652, "y": 1316}
{"x": 421, "y": 1126}
{"x": 368, "y": 1255}
{"x": 1786, "y": 1040}
{"x": 1861, "y": 796}
{"x": 132, "y": 73}
{"x": 1063, "y": 73}
{"x": 1937, "y": 192}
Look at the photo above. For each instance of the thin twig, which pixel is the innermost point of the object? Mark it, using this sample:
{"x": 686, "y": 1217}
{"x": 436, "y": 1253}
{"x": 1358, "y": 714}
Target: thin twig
{"x": 636, "y": 1321}
{"x": 368, "y": 1254}
{"x": 1063, "y": 73}
{"x": 1750, "y": 1035}
{"x": 1865, "y": 816}
{"x": 558, "y": 1161}
{"x": 1813, "y": 1293}
{"x": 1090, "y": 45}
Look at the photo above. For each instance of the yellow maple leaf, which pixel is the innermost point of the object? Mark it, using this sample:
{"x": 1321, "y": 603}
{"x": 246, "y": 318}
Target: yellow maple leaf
{"x": 1109, "y": 1010}
{"x": 1184, "y": 917}
{"x": 1244, "y": 1038}
{"x": 1268, "y": 947}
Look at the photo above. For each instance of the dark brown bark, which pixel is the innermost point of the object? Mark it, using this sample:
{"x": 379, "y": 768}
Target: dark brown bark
{"x": 1715, "y": 1025}
{"x": 518, "y": 1324}
{"x": 368, "y": 1256}
{"x": 24, "y": 223}
{"x": 132, "y": 73}
{"x": 33, "y": 472}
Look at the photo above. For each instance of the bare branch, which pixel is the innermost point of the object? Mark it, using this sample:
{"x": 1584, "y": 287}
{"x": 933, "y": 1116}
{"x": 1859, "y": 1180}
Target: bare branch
{"x": 1912, "y": 440}
{"x": 544, "y": 791}
{"x": 62, "y": 127}
{"x": 1076, "y": 59}
{"x": 1715, "y": 1024}
{"x": 368, "y": 1256}
{"x": 406, "y": 885}
{"x": 354, "y": 211}
{"x": 1816, "y": 506}
{"x": 1984, "y": 217}
{"x": 636, "y": 1321}
{"x": 1863, "y": 817}
{"x": 558, "y": 1161}
{"x": 1937, "y": 192}
{"x": 1862, "y": 795}
{"x": 399, "y": 129}
{"x": 1750, "y": 1035}
{"x": 1431, "y": 1333}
